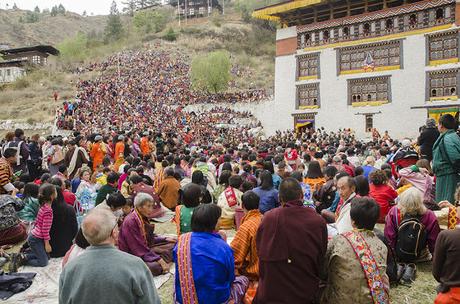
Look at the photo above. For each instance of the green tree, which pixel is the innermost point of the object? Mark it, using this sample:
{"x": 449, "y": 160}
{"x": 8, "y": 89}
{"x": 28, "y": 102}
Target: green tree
{"x": 84, "y": 14}
{"x": 149, "y": 20}
{"x": 114, "y": 27}
{"x": 31, "y": 17}
{"x": 74, "y": 48}
{"x": 61, "y": 9}
{"x": 211, "y": 72}
{"x": 129, "y": 7}
{"x": 54, "y": 11}
{"x": 15, "y": 7}
{"x": 37, "y": 10}
{"x": 170, "y": 35}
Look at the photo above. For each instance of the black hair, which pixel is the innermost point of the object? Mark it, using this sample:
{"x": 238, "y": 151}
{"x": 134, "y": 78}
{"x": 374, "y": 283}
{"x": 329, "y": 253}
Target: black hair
{"x": 290, "y": 190}
{"x": 18, "y": 133}
{"x": 56, "y": 181}
{"x": 266, "y": 180}
{"x": 80, "y": 240}
{"x": 362, "y": 185}
{"x": 31, "y": 190}
{"x": 224, "y": 177}
{"x": 235, "y": 181}
{"x": 126, "y": 168}
{"x": 359, "y": 171}
{"x": 314, "y": 170}
{"x": 116, "y": 200}
{"x": 198, "y": 177}
{"x": 205, "y": 217}
{"x": 250, "y": 200}
{"x": 45, "y": 192}
{"x": 191, "y": 195}
{"x": 268, "y": 165}
{"x": 330, "y": 171}
{"x": 62, "y": 168}
{"x": 9, "y": 152}
{"x": 297, "y": 175}
{"x": 448, "y": 122}
{"x": 364, "y": 212}
{"x": 246, "y": 186}
{"x": 112, "y": 177}
{"x": 136, "y": 179}
{"x": 227, "y": 166}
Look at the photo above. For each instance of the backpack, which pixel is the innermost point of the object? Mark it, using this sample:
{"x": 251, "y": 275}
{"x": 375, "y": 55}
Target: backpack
{"x": 16, "y": 146}
{"x": 411, "y": 239}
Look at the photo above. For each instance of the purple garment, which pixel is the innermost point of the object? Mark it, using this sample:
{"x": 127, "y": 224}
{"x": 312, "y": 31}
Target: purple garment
{"x": 132, "y": 241}
{"x": 429, "y": 220}
{"x": 122, "y": 178}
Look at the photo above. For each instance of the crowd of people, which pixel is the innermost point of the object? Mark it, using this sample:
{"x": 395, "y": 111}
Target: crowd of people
{"x": 320, "y": 218}
{"x": 148, "y": 88}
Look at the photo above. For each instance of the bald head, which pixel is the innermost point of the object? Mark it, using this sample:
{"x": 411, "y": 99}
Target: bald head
{"x": 98, "y": 225}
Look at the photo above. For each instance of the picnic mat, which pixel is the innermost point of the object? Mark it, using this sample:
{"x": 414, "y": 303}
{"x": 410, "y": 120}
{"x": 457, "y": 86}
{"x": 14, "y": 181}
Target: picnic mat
{"x": 45, "y": 287}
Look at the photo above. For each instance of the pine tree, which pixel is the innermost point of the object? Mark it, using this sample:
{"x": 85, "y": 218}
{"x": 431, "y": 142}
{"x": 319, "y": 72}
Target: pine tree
{"x": 54, "y": 11}
{"x": 61, "y": 9}
{"x": 114, "y": 27}
{"x": 15, "y": 7}
{"x": 37, "y": 9}
{"x": 84, "y": 14}
{"x": 129, "y": 7}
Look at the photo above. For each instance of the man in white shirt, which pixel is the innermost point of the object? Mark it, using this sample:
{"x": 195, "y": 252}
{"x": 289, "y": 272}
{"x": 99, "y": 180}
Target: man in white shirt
{"x": 346, "y": 187}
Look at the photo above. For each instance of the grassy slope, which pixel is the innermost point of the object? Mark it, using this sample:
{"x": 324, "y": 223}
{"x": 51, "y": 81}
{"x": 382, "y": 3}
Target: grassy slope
{"x": 30, "y": 99}
{"x": 48, "y": 30}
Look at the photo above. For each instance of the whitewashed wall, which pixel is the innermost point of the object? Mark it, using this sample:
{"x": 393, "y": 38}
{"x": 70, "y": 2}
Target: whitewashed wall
{"x": 407, "y": 89}
{"x": 15, "y": 73}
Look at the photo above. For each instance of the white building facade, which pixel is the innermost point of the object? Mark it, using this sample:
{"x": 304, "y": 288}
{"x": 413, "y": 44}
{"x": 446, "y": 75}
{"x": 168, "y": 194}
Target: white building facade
{"x": 387, "y": 65}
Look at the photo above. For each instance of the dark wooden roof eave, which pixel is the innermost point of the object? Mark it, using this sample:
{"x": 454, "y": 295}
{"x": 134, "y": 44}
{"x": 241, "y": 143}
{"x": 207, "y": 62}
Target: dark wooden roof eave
{"x": 40, "y": 48}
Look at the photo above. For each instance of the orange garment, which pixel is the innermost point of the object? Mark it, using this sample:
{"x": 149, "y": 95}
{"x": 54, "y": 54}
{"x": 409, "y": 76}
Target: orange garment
{"x": 244, "y": 246}
{"x": 169, "y": 192}
{"x": 315, "y": 183}
{"x": 158, "y": 178}
{"x": 145, "y": 146}
{"x": 97, "y": 154}
{"x": 119, "y": 154}
{"x": 450, "y": 297}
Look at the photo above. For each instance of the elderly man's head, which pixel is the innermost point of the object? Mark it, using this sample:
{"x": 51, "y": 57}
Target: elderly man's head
{"x": 346, "y": 187}
{"x": 100, "y": 227}
{"x": 144, "y": 203}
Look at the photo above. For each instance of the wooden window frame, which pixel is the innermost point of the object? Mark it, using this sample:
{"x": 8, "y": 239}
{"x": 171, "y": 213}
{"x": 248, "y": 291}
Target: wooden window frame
{"x": 444, "y": 86}
{"x": 310, "y": 58}
{"x": 380, "y": 52}
{"x": 312, "y": 86}
{"x": 442, "y": 37}
{"x": 368, "y": 84}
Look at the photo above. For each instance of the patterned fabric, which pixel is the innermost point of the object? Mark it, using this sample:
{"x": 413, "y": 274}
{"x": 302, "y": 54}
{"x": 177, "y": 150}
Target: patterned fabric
{"x": 371, "y": 270}
{"x": 184, "y": 261}
{"x": 231, "y": 197}
{"x": 8, "y": 215}
{"x": 183, "y": 219}
{"x": 6, "y": 172}
{"x": 452, "y": 218}
{"x": 244, "y": 246}
{"x": 346, "y": 282}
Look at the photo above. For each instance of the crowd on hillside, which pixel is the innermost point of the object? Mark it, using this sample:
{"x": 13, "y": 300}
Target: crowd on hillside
{"x": 143, "y": 89}
{"x": 305, "y": 209}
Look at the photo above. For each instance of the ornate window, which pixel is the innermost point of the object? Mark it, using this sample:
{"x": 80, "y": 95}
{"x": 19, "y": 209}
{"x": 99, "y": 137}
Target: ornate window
{"x": 443, "y": 84}
{"x": 369, "y": 91}
{"x": 368, "y": 57}
{"x": 308, "y": 96}
{"x": 308, "y": 65}
{"x": 443, "y": 46}
{"x": 414, "y": 15}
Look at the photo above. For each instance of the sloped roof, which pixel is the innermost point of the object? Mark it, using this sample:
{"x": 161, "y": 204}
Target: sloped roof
{"x": 40, "y": 48}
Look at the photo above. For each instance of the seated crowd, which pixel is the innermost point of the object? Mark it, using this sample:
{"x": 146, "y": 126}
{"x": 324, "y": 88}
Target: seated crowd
{"x": 322, "y": 218}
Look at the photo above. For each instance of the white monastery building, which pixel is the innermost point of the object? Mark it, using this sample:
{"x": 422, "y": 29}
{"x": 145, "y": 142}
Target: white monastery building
{"x": 365, "y": 64}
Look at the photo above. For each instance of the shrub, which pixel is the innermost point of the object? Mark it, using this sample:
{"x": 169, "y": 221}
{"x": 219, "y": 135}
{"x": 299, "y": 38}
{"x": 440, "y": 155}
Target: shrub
{"x": 170, "y": 35}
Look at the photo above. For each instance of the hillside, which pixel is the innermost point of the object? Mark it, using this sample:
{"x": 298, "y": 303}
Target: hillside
{"x": 251, "y": 49}
{"x": 47, "y": 30}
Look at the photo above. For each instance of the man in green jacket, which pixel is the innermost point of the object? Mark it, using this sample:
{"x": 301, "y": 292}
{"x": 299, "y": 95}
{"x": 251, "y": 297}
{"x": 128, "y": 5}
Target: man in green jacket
{"x": 103, "y": 274}
{"x": 446, "y": 153}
